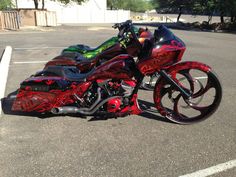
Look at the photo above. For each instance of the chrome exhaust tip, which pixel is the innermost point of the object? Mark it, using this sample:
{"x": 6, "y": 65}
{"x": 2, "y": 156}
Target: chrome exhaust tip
{"x": 65, "y": 110}
{"x": 55, "y": 111}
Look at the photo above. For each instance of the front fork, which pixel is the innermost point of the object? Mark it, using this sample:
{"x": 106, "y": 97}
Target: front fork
{"x": 167, "y": 77}
{"x": 139, "y": 77}
{"x": 185, "y": 93}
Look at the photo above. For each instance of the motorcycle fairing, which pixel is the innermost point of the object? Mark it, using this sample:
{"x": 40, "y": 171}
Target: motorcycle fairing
{"x": 167, "y": 50}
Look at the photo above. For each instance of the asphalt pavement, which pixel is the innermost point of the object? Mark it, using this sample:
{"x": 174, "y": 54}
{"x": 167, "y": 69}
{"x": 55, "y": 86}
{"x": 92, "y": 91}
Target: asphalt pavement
{"x": 143, "y": 145}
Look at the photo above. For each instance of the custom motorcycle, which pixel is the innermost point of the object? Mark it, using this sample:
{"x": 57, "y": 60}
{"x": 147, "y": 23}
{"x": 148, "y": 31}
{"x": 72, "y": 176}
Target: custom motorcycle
{"x": 186, "y": 92}
{"x": 123, "y": 44}
{"x": 89, "y": 53}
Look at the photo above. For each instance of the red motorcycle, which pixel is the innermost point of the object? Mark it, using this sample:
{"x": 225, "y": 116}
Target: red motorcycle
{"x": 125, "y": 45}
{"x": 186, "y": 92}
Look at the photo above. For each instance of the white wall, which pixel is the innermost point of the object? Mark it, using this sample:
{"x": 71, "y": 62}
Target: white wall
{"x": 24, "y": 3}
{"x": 92, "y": 11}
{"x": 92, "y": 4}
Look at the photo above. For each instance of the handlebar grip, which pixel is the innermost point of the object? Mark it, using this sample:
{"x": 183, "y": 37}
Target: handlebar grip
{"x": 122, "y": 24}
{"x": 115, "y": 26}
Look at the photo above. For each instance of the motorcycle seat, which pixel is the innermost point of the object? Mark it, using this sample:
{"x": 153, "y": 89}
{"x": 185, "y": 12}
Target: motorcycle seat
{"x": 81, "y": 49}
{"x": 98, "y": 49}
{"x": 75, "y": 56}
{"x": 70, "y": 73}
{"x": 89, "y": 52}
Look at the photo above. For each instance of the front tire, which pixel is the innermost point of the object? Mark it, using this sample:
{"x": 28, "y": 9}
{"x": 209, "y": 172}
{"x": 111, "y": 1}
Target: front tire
{"x": 201, "y": 82}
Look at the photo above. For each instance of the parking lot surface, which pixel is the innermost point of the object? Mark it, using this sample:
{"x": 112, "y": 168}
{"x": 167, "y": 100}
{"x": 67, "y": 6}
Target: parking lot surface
{"x": 144, "y": 145}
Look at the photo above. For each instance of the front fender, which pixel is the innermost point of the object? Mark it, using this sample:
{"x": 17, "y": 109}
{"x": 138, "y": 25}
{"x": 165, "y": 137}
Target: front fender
{"x": 188, "y": 65}
{"x": 185, "y": 65}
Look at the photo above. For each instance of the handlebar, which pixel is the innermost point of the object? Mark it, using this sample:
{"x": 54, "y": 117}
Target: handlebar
{"x": 124, "y": 27}
{"x": 122, "y": 24}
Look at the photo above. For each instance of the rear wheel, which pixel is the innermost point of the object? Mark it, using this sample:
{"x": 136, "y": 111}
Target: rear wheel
{"x": 205, "y": 90}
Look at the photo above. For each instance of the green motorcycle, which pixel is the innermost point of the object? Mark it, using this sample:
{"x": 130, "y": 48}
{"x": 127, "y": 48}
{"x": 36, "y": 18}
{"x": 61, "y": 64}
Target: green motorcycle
{"x": 88, "y": 52}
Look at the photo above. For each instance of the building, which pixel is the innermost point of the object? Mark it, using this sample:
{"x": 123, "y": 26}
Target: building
{"x": 91, "y": 11}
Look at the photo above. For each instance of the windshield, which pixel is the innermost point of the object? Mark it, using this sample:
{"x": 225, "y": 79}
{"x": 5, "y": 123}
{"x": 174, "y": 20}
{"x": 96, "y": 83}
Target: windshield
{"x": 163, "y": 34}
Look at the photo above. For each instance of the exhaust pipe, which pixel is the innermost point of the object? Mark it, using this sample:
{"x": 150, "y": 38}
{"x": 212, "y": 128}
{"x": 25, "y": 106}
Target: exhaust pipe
{"x": 65, "y": 110}
{"x": 85, "y": 111}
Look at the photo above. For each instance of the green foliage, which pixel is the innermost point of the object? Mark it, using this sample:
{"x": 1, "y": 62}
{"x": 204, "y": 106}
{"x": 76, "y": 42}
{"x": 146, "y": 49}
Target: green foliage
{"x": 206, "y": 7}
{"x": 133, "y": 5}
{"x": 174, "y": 5}
{"x": 216, "y": 7}
{"x": 5, "y": 4}
{"x": 227, "y": 6}
{"x": 36, "y": 2}
{"x": 155, "y": 4}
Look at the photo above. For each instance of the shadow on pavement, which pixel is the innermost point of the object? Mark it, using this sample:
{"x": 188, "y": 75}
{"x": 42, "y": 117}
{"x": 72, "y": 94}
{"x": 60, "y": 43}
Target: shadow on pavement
{"x": 150, "y": 112}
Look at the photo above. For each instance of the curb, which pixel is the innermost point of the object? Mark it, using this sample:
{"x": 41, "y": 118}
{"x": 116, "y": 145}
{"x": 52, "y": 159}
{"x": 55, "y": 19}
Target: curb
{"x": 4, "y": 66}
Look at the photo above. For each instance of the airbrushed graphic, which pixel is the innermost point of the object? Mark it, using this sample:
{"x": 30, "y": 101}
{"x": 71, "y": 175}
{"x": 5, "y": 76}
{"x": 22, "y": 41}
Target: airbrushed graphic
{"x": 88, "y": 52}
{"x": 85, "y": 58}
{"x": 110, "y": 88}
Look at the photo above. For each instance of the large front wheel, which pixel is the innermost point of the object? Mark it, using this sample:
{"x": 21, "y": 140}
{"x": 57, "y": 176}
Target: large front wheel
{"x": 201, "y": 83}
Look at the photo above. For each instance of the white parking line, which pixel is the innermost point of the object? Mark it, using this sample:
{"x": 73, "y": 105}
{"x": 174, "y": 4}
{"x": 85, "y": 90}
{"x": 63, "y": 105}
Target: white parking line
{"x": 29, "y": 62}
{"x": 204, "y": 77}
{"x": 18, "y": 32}
{"x": 39, "y": 48}
{"x": 4, "y": 66}
{"x": 212, "y": 170}
{"x": 98, "y": 28}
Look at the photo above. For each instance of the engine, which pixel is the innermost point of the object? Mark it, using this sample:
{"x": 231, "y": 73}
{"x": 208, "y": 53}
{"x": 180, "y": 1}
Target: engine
{"x": 121, "y": 90}
{"x": 107, "y": 95}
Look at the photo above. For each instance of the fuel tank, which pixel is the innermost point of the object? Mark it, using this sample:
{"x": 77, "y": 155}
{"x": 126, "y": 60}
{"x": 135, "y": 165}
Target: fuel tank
{"x": 120, "y": 67}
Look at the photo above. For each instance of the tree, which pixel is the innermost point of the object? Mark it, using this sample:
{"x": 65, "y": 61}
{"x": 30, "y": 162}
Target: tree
{"x": 133, "y": 5}
{"x": 36, "y": 2}
{"x": 206, "y": 7}
{"x": 219, "y": 7}
{"x": 227, "y": 8}
{"x": 5, "y": 4}
{"x": 233, "y": 10}
{"x": 175, "y": 6}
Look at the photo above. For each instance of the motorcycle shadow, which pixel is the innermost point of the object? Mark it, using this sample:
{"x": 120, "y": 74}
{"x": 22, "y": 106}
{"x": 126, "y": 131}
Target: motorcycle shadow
{"x": 149, "y": 111}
